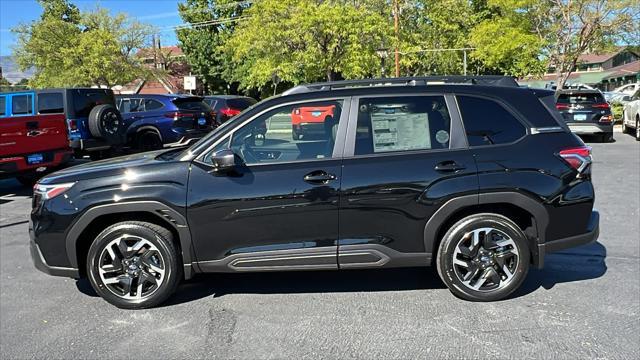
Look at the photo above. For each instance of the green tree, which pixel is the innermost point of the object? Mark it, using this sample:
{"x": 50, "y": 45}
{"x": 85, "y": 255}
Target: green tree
{"x": 70, "y": 48}
{"x": 307, "y": 40}
{"x": 210, "y": 23}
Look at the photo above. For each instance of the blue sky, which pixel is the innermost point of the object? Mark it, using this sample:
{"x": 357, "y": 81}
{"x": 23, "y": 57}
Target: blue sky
{"x": 161, "y": 13}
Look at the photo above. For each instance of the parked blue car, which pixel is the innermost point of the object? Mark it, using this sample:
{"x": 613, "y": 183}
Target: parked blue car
{"x": 156, "y": 121}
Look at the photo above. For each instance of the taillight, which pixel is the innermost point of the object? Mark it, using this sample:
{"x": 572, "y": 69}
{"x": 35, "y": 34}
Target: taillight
{"x": 562, "y": 106}
{"x": 73, "y": 125}
{"x": 578, "y": 158}
{"x": 50, "y": 191}
{"x": 175, "y": 115}
{"x": 230, "y": 112}
{"x": 601, "y": 106}
{"x": 606, "y": 119}
{"x": 296, "y": 111}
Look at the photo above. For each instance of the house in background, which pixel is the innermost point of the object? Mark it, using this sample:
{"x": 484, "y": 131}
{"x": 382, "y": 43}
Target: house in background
{"x": 603, "y": 71}
{"x": 168, "y": 65}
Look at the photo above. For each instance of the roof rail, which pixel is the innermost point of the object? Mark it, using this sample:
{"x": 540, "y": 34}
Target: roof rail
{"x": 490, "y": 80}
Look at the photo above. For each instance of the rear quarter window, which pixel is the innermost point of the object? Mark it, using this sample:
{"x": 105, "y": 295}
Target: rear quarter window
{"x": 486, "y": 122}
{"x": 22, "y": 104}
{"x": 50, "y": 103}
{"x": 241, "y": 103}
{"x": 3, "y": 105}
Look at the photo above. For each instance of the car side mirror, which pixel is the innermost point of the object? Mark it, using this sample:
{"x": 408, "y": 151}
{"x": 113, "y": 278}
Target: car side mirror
{"x": 223, "y": 161}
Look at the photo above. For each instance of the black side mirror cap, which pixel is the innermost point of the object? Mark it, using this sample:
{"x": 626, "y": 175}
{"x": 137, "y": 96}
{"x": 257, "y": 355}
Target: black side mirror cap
{"x": 223, "y": 161}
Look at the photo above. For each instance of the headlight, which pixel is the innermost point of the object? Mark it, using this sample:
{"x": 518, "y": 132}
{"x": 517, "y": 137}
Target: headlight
{"x": 50, "y": 191}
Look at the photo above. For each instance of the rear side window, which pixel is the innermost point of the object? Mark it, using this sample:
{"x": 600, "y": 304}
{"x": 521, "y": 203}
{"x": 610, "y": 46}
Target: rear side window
{"x": 585, "y": 98}
{"x": 488, "y": 123}
{"x": 22, "y": 104}
{"x": 392, "y": 124}
{"x": 85, "y": 100}
{"x": 240, "y": 103}
{"x": 150, "y": 105}
{"x": 193, "y": 105}
{"x": 3, "y": 105}
{"x": 52, "y": 103}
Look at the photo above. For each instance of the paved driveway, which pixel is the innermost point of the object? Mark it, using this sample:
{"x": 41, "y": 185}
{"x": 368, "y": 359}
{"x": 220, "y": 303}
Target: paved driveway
{"x": 584, "y": 304}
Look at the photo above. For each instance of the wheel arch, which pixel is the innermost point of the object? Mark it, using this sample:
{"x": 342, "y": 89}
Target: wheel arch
{"x": 96, "y": 219}
{"x": 527, "y": 213}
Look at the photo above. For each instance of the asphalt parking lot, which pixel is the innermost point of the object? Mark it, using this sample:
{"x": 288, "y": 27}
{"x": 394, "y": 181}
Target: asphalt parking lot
{"x": 584, "y": 304}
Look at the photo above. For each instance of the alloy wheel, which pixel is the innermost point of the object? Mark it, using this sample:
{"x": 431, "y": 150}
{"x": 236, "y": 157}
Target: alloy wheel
{"x": 485, "y": 259}
{"x": 131, "y": 267}
{"x": 111, "y": 122}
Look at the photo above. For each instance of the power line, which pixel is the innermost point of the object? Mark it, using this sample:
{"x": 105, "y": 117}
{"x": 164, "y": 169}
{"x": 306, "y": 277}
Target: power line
{"x": 205, "y": 23}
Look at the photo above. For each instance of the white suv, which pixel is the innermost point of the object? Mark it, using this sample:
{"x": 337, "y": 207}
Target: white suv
{"x": 628, "y": 89}
{"x": 631, "y": 115}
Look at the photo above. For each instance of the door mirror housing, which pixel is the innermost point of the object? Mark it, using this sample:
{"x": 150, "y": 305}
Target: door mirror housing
{"x": 223, "y": 160}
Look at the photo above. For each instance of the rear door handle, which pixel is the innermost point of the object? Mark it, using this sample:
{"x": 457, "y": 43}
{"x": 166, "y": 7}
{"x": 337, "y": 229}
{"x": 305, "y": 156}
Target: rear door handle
{"x": 319, "y": 177}
{"x": 449, "y": 166}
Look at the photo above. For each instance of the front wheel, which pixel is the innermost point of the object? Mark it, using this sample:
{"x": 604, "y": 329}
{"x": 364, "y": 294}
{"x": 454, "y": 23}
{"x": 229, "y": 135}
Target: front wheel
{"x": 637, "y": 129}
{"x": 483, "y": 257}
{"x": 134, "y": 265}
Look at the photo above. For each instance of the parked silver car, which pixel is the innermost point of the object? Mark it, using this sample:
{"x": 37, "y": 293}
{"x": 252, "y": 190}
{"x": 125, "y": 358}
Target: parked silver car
{"x": 631, "y": 115}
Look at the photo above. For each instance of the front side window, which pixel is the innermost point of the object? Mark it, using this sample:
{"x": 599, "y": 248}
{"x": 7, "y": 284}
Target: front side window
{"x": 131, "y": 106}
{"x": 22, "y": 105}
{"x": 51, "y": 103}
{"x": 305, "y": 131}
{"x": 390, "y": 124}
{"x": 488, "y": 123}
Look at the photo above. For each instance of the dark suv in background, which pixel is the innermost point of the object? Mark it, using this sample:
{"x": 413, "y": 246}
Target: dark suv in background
{"x": 227, "y": 106}
{"x": 586, "y": 112}
{"x": 472, "y": 175}
{"x": 155, "y": 121}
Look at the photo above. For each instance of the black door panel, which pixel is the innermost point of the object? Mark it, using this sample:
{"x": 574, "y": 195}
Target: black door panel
{"x": 262, "y": 208}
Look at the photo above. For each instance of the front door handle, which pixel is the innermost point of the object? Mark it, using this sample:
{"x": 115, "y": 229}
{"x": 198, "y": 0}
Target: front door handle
{"x": 449, "y": 166}
{"x": 319, "y": 177}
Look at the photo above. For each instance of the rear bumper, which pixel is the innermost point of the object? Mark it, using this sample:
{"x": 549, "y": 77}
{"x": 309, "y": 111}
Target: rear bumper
{"x": 16, "y": 165}
{"x": 591, "y": 235}
{"x": 89, "y": 144}
{"x": 590, "y": 128}
{"x": 41, "y": 264}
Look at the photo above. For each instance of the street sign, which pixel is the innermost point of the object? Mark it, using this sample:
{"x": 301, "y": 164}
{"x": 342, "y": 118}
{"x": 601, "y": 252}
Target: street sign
{"x": 189, "y": 82}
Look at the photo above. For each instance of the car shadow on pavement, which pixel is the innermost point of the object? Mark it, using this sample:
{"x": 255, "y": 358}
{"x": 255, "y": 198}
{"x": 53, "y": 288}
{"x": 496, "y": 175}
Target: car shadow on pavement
{"x": 576, "y": 264}
{"x": 11, "y": 187}
{"x": 587, "y": 262}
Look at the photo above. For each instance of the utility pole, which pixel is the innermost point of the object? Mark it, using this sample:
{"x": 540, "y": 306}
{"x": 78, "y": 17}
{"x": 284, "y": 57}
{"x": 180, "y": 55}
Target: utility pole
{"x": 395, "y": 25}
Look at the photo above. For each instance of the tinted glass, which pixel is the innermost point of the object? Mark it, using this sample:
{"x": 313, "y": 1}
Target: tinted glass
{"x": 402, "y": 124}
{"x": 487, "y": 122}
{"x": 272, "y": 136}
{"x": 3, "y": 105}
{"x": 130, "y": 105}
{"x": 150, "y": 105}
{"x": 212, "y": 103}
{"x": 578, "y": 98}
{"x": 21, "y": 105}
{"x": 193, "y": 105}
{"x": 240, "y": 103}
{"x": 52, "y": 103}
{"x": 85, "y": 100}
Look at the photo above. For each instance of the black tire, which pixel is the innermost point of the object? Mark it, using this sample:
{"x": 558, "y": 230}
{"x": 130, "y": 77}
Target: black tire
{"x": 637, "y": 128}
{"x": 158, "y": 242}
{"x": 607, "y": 137}
{"x": 451, "y": 274}
{"x": 625, "y": 129}
{"x": 295, "y": 135}
{"x": 148, "y": 141}
{"x": 105, "y": 122}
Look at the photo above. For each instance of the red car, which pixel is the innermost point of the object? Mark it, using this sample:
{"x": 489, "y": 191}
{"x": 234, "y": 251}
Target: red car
{"x": 33, "y": 135}
{"x": 307, "y": 120}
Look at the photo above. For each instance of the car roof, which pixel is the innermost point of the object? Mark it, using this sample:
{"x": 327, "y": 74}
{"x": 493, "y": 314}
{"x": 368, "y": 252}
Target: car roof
{"x": 166, "y": 96}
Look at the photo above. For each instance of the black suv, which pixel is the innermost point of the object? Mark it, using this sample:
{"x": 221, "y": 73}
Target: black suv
{"x": 586, "y": 112}
{"x": 473, "y": 175}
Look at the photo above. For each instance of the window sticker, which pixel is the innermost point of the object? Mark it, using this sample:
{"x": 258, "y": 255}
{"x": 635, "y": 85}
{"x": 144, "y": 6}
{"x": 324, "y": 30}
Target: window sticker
{"x": 397, "y": 130}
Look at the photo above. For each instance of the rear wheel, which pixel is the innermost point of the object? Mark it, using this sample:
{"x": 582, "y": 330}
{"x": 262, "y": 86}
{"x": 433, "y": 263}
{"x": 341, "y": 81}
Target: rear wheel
{"x": 483, "y": 257}
{"x": 637, "y": 128}
{"x": 607, "y": 137}
{"x": 134, "y": 265}
{"x": 625, "y": 129}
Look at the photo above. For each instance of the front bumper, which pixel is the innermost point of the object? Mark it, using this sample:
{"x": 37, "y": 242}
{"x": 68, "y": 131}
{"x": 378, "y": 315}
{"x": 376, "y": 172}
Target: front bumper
{"x": 41, "y": 264}
{"x": 590, "y": 128}
{"x": 590, "y": 236}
